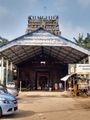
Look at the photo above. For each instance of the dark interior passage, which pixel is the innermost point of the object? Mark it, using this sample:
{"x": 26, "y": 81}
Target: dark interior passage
{"x": 41, "y": 72}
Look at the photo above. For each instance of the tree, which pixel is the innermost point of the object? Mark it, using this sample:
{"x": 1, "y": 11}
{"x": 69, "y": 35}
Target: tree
{"x": 87, "y": 41}
{"x": 80, "y": 40}
{"x": 3, "y": 41}
{"x": 84, "y": 42}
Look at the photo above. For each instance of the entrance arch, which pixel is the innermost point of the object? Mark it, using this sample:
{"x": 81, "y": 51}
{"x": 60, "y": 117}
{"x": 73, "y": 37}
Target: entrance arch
{"x": 42, "y": 80}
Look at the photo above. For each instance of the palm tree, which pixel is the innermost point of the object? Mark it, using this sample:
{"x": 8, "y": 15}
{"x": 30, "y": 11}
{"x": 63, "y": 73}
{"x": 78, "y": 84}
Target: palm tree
{"x": 80, "y": 40}
{"x": 87, "y": 41}
{"x": 84, "y": 42}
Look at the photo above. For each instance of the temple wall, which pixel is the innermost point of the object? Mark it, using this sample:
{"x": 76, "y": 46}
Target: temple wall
{"x": 30, "y": 74}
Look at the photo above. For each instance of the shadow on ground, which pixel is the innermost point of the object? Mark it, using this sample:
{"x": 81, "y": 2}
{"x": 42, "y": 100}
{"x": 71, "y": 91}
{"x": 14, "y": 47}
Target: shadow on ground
{"x": 19, "y": 114}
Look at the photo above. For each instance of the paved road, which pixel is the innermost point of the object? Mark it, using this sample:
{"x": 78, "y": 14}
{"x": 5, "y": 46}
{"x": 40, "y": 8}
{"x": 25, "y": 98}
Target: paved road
{"x": 51, "y": 108}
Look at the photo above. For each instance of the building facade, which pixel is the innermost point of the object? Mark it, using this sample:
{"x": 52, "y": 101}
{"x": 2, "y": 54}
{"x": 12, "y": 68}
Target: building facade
{"x": 49, "y": 23}
{"x": 40, "y": 58}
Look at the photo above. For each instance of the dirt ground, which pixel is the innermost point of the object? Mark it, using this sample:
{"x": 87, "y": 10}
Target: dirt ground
{"x": 51, "y": 108}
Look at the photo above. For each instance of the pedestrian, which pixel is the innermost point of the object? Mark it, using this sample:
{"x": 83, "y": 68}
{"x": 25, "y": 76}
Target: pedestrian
{"x": 60, "y": 86}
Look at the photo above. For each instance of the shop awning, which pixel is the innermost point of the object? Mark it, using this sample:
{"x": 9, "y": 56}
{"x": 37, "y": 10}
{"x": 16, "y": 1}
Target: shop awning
{"x": 67, "y": 77}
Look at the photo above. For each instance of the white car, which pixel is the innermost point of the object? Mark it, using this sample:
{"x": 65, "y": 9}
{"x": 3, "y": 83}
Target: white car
{"x": 8, "y": 104}
{"x": 11, "y": 90}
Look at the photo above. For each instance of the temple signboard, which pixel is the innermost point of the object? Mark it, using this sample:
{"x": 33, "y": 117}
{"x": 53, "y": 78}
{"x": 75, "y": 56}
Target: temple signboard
{"x": 42, "y": 41}
{"x": 83, "y": 68}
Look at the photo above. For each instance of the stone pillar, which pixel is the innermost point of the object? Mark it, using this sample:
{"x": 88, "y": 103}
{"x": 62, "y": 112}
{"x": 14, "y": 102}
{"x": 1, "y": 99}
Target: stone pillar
{"x": 65, "y": 88}
{"x": 17, "y": 80}
{"x": 11, "y": 74}
{"x": 89, "y": 63}
{"x": 2, "y": 70}
{"x": 88, "y": 59}
{"x": 6, "y": 72}
{"x": 84, "y": 61}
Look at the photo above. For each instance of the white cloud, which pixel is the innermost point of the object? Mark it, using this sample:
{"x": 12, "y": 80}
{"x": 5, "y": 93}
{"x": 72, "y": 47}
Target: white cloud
{"x": 3, "y": 11}
{"x": 69, "y": 31}
{"x": 84, "y": 3}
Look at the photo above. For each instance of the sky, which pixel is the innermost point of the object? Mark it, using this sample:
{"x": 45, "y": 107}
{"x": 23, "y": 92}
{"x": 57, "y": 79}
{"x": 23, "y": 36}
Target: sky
{"x": 74, "y": 16}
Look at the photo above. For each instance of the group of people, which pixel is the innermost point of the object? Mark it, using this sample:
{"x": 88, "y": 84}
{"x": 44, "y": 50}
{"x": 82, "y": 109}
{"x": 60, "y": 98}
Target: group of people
{"x": 58, "y": 86}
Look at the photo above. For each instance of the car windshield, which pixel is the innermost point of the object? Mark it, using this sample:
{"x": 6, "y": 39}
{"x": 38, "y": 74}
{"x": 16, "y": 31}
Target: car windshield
{"x": 3, "y": 91}
{"x": 1, "y": 86}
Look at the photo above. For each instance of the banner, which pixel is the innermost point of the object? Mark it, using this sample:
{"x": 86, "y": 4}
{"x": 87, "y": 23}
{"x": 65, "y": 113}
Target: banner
{"x": 83, "y": 68}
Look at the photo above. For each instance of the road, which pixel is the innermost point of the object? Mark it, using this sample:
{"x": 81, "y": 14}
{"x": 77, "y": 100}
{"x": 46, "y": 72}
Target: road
{"x": 51, "y": 108}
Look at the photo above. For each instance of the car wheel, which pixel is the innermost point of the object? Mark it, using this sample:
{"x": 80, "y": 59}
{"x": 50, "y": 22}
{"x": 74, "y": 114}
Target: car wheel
{"x": 0, "y": 112}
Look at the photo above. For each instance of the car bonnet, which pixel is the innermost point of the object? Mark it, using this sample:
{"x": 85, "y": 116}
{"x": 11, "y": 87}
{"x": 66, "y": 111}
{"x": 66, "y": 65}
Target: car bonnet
{"x": 7, "y": 96}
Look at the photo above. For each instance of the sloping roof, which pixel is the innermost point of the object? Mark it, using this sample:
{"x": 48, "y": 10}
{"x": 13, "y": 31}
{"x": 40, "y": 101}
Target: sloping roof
{"x": 65, "y": 78}
{"x": 41, "y": 41}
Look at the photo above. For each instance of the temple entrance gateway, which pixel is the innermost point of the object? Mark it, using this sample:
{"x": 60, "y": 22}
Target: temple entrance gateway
{"x": 41, "y": 59}
{"x": 42, "y": 80}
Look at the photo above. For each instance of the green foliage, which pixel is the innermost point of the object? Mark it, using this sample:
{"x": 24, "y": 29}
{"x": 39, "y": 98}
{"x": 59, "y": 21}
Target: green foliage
{"x": 84, "y": 42}
{"x": 87, "y": 41}
{"x": 3, "y": 41}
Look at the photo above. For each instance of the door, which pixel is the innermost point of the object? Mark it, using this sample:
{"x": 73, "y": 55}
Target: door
{"x": 42, "y": 80}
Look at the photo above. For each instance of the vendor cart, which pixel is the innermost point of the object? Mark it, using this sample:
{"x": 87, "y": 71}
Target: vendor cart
{"x": 82, "y": 87}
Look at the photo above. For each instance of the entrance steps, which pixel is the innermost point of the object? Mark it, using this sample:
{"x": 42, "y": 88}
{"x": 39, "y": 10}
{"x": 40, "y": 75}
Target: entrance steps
{"x": 43, "y": 94}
